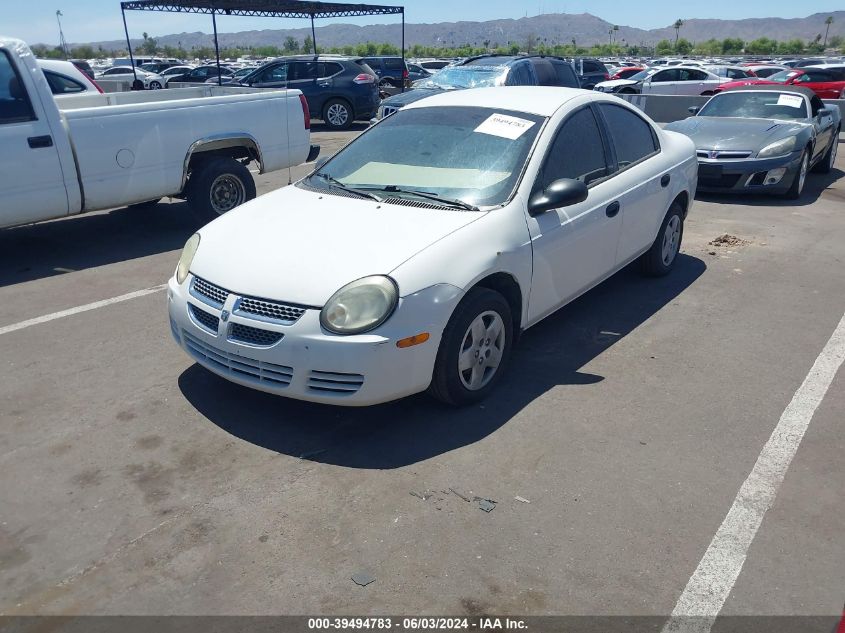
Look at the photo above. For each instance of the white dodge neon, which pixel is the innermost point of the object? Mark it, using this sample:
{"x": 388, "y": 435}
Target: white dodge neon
{"x": 414, "y": 257}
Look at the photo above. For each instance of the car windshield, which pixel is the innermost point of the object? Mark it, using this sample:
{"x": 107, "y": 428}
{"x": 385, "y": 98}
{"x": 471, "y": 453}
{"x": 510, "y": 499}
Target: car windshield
{"x": 471, "y": 154}
{"x": 757, "y": 105}
{"x": 783, "y": 76}
{"x": 466, "y": 77}
{"x": 643, "y": 74}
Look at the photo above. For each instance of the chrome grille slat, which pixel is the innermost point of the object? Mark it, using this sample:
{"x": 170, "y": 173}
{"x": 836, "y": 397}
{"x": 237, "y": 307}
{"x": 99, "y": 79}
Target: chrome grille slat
{"x": 269, "y": 310}
{"x": 722, "y": 154}
{"x": 254, "y": 370}
{"x": 205, "y": 320}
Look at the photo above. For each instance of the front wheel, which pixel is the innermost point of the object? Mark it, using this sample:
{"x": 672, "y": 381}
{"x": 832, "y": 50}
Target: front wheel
{"x": 826, "y": 164}
{"x": 217, "y": 186}
{"x": 474, "y": 350}
{"x": 155, "y": 85}
{"x": 797, "y": 187}
{"x": 659, "y": 260}
{"x": 337, "y": 114}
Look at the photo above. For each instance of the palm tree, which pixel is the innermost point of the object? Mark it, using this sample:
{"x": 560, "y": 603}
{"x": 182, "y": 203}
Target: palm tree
{"x": 677, "y": 26}
{"x": 828, "y": 21}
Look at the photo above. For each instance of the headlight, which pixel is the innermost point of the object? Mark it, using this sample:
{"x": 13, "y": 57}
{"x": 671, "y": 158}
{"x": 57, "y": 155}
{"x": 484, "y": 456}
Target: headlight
{"x": 360, "y": 306}
{"x": 187, "y": 257}
{"x": 778, "y": 148}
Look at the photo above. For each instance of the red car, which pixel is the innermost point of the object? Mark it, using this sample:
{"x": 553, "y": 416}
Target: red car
{"x": 827, "y": 83}
{"x": 625, "y": 72}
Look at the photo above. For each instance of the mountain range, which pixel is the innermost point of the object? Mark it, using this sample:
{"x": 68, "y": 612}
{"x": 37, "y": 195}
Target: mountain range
{"x": 560, "y": 28}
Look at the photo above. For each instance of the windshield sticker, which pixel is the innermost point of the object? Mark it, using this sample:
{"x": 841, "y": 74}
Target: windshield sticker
{"x": 790, "y": 100}
{"x": 505, "y": 126}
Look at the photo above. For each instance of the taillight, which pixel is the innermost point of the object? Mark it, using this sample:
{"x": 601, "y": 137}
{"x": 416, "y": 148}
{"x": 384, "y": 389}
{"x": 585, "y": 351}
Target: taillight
{"x": 606, "y": 76}
{"x": 364, "y": 78}
{"x": 405, "y": 74}
{"x": 305, "y": 112}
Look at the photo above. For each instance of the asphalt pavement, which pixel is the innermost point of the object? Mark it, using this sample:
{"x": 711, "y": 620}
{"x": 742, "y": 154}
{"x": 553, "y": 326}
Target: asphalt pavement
{"x": 136, "y": 482}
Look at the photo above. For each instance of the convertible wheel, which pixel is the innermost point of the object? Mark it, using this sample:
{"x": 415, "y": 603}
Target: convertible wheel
{"x": 475, "y": 349}
{"x": 797, "y": 187}
{"x": 826, "y": 163}
{"x": 660, "y": 258}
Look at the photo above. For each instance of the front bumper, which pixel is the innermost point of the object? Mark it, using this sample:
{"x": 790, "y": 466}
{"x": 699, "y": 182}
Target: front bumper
{"x": 309, "y": 363}
{"x": 748, "y": 175}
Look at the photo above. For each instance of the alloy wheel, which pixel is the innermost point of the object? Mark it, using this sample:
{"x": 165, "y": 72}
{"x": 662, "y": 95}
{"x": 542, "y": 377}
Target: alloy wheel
{"x": 482, "y": 350}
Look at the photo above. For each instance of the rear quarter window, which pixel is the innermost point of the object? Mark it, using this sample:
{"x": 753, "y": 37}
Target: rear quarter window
{"x": 565, "y": 75}
{"x": 394, "y": 64}
{"x": 61, "y": 85}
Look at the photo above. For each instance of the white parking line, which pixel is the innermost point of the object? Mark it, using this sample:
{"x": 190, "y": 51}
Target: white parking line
{"x": 713, "y": 579}
{"x": 85, "y": 308}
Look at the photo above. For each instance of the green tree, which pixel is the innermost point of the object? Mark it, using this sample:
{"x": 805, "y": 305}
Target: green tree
{"x": 149, "y": 46}
{"x": 761, "y": 46}
{"x": 683, "y": 46}
{"x": 663, "y": 47}
{"x": 791, "y": 47}
{"x": 677, "y": 26}
{"x": 828, "y": 21}
{"x": 291, "y": 45}
{"x": 732, "y": 45}
{"x": 308, "y": 45}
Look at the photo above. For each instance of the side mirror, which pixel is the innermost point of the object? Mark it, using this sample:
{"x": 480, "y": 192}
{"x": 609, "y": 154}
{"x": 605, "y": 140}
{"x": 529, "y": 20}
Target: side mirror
{"x": 823, "y": 112}
{"x": 694, "y": 109}
{"x": 320, "y": 162}
{"x": 561, "y": 193}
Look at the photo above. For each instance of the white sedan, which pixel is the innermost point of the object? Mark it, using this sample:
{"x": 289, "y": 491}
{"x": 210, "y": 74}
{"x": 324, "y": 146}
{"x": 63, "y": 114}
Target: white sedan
{"x": 677, "y": 80}
{"x": 414, "y": 257}
{"x": 151, "y": 81}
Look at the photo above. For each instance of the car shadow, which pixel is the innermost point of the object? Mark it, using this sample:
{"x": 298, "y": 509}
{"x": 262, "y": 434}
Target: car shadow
{"x": 318, "y": 125}
{"x": 36, "y": 251}
{"x": 815, "y": 186}
{"x": 417, "y": 428}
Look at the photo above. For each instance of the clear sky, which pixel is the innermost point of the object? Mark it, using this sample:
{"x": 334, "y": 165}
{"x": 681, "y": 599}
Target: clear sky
{"x": 90, "y": 20}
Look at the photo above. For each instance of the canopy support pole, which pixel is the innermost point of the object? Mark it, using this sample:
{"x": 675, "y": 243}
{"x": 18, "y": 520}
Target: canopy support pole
{"x": 129, "y": 46}
{"x": 403, "y": 47}
{"x": 313, "y": 35}
{"x": 216, "y": 47}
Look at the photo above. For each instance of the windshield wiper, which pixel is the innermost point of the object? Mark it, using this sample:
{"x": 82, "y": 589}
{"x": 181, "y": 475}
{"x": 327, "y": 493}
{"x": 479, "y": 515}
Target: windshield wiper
{"x": 336, "y": 183}
{"x": 452, "y": 202}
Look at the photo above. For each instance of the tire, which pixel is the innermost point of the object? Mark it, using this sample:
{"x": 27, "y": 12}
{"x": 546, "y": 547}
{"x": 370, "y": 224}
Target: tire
{"x": 337, "y": 114}
{"x": 659, "y": 260}
{"x": 797, "y": 188}
{"x": 155, "y": 85}
{"x": 707, "y": 93}
{"x": 149, "y": 204}
{"x": 826, "y": 164}
{"x": 385, "y": 83}
{"x": 461, "y": 387}
{"x": 218, "y": 185}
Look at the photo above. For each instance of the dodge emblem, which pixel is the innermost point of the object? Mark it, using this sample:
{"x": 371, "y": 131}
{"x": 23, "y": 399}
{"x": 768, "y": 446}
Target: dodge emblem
{"x": 224, "y": 316}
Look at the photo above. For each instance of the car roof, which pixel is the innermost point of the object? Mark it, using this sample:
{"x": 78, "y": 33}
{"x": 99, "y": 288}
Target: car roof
{"x": 774, "y": 88}
{"x": 541, "y": 100}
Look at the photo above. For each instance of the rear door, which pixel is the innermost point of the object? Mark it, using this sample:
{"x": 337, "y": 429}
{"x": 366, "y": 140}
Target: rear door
{"x": 302, "y": 75}
{"x": 31, "y": 180}
{"x": 327, "y": 72}
{"x": 664, "y": 82}
{"x": 693, "y": 82}
{"x": 644, "y": 192}
{"x": 819, "y": 81}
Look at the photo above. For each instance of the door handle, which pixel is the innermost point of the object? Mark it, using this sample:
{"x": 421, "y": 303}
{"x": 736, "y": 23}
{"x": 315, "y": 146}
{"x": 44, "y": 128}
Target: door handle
{"x": 612, "y": 209}
{"x": 664, "y": 180}
{"x": 40, "y": 141}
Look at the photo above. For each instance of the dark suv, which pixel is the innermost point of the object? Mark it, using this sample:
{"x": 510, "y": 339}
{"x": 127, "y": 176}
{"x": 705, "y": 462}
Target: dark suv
{"x": 339, "y": 90}
{"x": 488, "y": 70}
{"x": 590, "y": 71}
{"x": 391, "y": 70}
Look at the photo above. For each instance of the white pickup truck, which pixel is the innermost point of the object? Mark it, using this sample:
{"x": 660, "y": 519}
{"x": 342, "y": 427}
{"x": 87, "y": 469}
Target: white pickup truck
{"x": 114, "y": 150}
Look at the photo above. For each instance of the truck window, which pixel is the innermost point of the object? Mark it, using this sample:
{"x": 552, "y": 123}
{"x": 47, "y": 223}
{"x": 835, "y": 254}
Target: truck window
{"x": 61, "y": 85}
{"x": 14, "y": 102}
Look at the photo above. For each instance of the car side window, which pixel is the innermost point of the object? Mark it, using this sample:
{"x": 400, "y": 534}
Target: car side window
{"x": 665, "y": 75}
{"x": 14, "y": 102}
{"x": 394, "y": 63}
{"x": 302, "y": 70}
{"x": 736, "y": 74}
{"x": 565, "y": 74}
{"x": 276, "y": 73}
{"x": 816, "y": 104}
{"x": 686, "y": 74}
{"x": 61, "y": 85}
{"x": 327, "y": 69}
{"x": 577, "y": 151}
{"x": 813, "y": 75}
{"x": 632, "y": 136}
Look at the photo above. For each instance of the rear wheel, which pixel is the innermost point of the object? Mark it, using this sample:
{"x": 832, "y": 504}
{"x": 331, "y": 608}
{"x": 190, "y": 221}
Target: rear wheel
{"x": 660, "y": 258}
{"x": 337, "y": 114}
{"x": 155, "y": 85}
{"x": 797, "y": 187}
{"x": 826, "y": 163}
{"x": 474, "y": 350}
{"x": 218, "y": 186}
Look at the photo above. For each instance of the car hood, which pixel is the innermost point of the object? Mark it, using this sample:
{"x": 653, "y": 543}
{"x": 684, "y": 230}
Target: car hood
{"x": 734, "y": 133}
{"x": 616, "y": 83}
{"x": 301, "y": 246}
{"x": 409, "y": 96}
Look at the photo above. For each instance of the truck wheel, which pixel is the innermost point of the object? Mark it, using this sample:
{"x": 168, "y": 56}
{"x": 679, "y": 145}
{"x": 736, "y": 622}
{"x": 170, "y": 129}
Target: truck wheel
{"x": 337, "y": 114}
{"x": 218, "y": 186}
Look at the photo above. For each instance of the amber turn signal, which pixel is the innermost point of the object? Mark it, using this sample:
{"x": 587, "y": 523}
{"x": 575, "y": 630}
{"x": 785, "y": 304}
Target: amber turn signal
{"x": 422, "y": 337}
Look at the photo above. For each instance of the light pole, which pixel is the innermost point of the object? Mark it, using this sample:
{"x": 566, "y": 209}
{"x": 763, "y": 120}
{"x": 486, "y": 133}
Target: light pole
{"x": 62, "y": 42}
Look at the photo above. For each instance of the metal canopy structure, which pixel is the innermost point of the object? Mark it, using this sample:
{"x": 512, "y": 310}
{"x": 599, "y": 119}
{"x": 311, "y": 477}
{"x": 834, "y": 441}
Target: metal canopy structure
{"x": 261, "y": 9}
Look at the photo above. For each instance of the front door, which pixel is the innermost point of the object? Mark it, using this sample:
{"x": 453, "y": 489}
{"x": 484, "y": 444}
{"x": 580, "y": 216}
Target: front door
{"x": 574, "y": 247}
{"x": 31, "y": 179}
{"x": 663, "y": 82}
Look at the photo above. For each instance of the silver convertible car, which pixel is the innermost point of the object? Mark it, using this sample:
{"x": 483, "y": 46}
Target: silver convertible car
{"x": 762, "y": 139}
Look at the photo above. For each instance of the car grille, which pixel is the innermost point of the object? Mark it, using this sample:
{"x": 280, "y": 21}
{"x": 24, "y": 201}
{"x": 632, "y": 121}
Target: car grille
{"x": 388, "y": 110}
{"x": 239, "y": 366}
{"x": 270, "y": 310}
{"x": 240, "y": 333}
{"x": 204, "y": 319}
{"x": 725, "y": 181}
{"x": 722, "y": 154}
{"x": 208, "y": 292}
{"x": 330, "y": 383}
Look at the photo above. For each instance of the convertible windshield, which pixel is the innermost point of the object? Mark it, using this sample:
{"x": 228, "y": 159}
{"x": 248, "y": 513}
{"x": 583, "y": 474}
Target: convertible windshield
{"x": 758, "y": 105}
{"x": 465, "y": 77}
{"x": 466, "y": 155}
